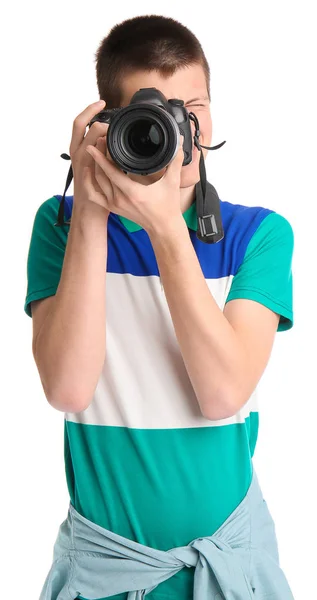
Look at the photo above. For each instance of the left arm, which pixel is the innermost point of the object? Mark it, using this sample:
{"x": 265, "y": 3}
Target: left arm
{"x": 225, "y": 352}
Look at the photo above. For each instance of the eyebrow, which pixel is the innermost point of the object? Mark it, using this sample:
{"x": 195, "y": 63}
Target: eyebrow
{"x": 200, "y": 98}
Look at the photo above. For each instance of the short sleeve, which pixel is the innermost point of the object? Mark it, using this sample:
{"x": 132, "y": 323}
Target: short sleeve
{"x": 46, "y": 254}
{"x": 265, "y": 274}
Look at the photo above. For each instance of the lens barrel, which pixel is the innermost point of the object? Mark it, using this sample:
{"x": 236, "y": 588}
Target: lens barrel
{"x": 142, "y": 138}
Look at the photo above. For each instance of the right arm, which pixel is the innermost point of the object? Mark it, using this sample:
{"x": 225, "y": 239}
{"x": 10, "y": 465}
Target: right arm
{"x": 69, "y": 348}
{"x": 69, "y": 329}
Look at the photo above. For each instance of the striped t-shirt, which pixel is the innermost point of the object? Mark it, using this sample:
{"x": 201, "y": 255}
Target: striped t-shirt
{"x": 141, "y": 460}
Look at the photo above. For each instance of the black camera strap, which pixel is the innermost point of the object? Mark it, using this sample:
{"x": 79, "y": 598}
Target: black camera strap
{"x": 209, "y": 222}
{"x": 60, "y": 216}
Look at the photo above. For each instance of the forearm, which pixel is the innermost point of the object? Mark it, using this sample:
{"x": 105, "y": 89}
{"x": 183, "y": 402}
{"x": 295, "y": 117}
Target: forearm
{"x": 71, "y": 345}
{"x": 209, "y": 345}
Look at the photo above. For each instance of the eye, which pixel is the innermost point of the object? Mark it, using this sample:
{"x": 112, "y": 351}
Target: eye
{"x": 190, "y": 105}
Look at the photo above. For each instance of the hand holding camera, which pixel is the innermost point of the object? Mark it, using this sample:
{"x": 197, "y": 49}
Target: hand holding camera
{"x": 156, "y": 207}
{"x": 86, "y": 187}
{"x": 144, "y": 136}
{"x": 150, "y": 135}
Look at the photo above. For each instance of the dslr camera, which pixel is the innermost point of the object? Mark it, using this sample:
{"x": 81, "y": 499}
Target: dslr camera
{"x": 144, "y": 136}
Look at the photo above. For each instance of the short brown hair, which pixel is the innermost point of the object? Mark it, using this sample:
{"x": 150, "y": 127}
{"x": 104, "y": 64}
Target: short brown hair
{"x": 149, "y": 42}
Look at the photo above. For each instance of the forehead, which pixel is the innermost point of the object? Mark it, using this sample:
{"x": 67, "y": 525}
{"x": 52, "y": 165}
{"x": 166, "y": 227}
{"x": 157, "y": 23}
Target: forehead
{"x": 185, "y": 83}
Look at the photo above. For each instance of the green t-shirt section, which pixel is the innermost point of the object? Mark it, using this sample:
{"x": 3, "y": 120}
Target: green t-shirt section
{"x": 141, "y": 460}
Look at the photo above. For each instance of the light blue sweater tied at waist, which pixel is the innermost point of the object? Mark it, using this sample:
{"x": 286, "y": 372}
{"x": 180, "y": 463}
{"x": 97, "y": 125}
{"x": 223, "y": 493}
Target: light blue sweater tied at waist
{"x": 239, "y": 561}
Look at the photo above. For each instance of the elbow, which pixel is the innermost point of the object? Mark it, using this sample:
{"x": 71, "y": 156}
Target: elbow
{"x": 62, "y": 398}
{"x": 67, "y": 402}
{"x": 65, "y": 405}
{"x": 222, "y": 407}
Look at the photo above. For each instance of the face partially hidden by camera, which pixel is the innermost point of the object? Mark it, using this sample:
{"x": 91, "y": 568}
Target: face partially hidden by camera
{"x": 187, "y": 84}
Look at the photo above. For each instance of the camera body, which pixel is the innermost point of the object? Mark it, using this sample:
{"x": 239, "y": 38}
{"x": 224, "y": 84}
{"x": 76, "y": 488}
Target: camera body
{"x": 144, "y": 136}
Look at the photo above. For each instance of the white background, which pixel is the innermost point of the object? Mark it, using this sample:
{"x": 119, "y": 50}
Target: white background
{"x": 263, "y": 78}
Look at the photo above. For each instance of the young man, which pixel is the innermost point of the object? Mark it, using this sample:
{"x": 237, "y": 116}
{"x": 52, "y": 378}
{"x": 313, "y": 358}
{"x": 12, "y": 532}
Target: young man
{"x": 158, "y": 386}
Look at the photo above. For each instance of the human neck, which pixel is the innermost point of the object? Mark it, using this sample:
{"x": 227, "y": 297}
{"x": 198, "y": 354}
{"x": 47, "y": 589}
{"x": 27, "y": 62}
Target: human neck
{"x": 187, "y": 197}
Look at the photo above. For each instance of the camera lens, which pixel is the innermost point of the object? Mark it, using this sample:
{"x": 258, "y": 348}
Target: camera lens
{"x": 143, "y": 138}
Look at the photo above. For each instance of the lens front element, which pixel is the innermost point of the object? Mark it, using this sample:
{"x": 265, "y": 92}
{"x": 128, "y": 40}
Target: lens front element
{"x": 143, "y": 138}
